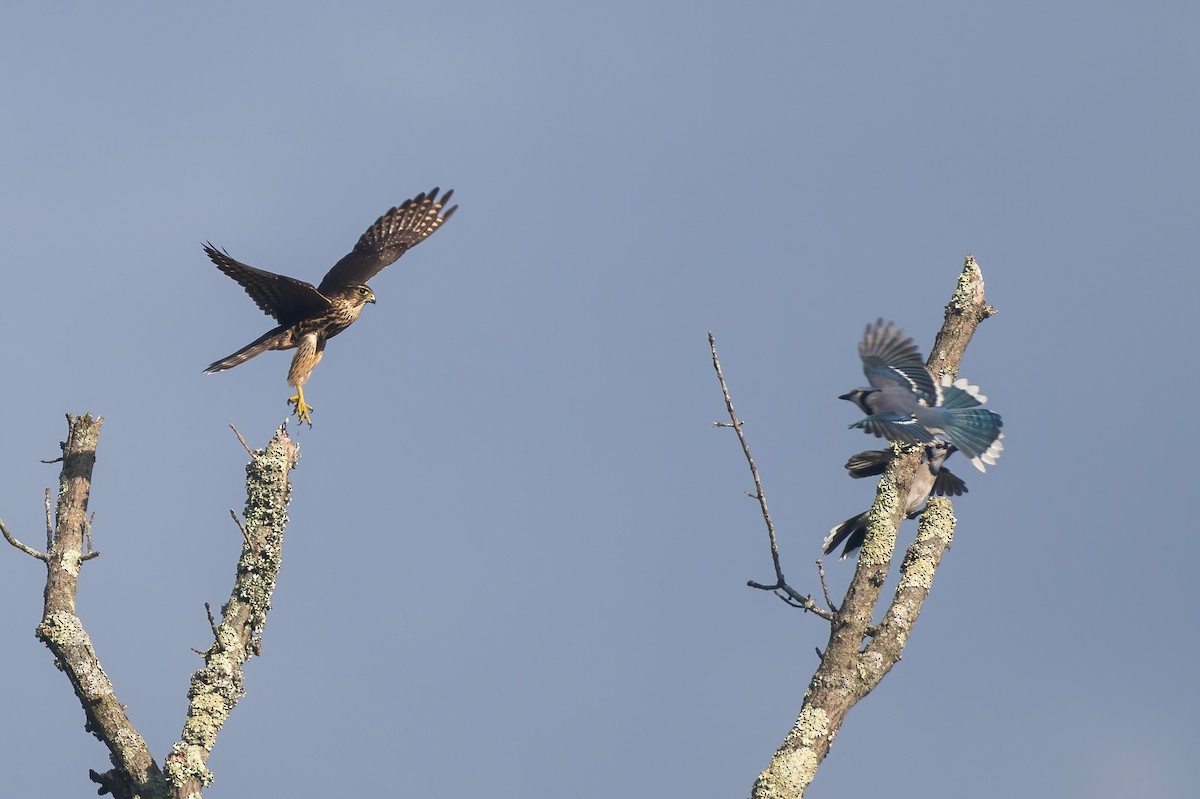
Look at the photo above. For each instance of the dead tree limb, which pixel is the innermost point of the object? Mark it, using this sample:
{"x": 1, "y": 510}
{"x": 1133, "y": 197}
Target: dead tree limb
{"x": 215, "y": 688}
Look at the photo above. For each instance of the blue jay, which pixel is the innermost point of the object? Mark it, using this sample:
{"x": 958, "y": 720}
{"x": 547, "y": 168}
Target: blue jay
{"x": 931, "y": 478}
{"x": 905, "y": 403}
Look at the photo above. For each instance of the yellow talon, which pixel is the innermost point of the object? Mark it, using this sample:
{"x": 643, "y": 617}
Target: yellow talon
{"x": 302, "y": 408}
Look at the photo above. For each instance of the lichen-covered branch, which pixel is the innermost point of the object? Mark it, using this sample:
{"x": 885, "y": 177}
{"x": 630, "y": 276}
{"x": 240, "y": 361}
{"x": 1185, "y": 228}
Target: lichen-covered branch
{"x": 934, "y": 533}
{"x": 858, "y": 655}
{"x": 218, "y": 686}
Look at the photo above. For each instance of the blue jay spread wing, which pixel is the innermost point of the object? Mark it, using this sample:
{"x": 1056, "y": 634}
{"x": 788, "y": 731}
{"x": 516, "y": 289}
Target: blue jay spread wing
{"x": 906, "y": 404}
{"x": 890, "y": 358}
{"x": 896, "y": 427}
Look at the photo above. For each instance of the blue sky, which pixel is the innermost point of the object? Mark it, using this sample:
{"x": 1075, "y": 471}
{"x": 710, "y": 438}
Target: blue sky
{"x": 518, "y": 550}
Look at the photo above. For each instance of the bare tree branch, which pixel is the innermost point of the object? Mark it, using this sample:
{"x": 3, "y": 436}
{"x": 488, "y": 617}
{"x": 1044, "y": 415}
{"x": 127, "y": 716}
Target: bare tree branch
{"x": 13, "y": 540}
{"x": 780, "y": 586}
{"x": 62, "y": 631}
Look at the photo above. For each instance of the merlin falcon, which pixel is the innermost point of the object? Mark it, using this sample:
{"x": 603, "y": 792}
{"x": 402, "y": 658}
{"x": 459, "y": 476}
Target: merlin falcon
{"x": 309, "y": 316}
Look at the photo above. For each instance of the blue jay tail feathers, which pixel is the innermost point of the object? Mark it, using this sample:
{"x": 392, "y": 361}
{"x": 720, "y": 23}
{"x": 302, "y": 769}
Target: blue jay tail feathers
{"x": 973, "y": 429}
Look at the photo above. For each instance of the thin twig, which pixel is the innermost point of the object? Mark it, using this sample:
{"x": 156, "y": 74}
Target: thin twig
{"x": 794, "y": 598}
{"x": 238, "y": 522}
{"x": 780, "y": 587}
{"x": 758, "y": 489}
{"x": 825, "y": 586}
{"x": 212, "y": 623}
{"x": 245, "y": 446}
{"x": 87, "y": 537}
{"x": 30, "y": 551}
{"x": 49, "y": 522}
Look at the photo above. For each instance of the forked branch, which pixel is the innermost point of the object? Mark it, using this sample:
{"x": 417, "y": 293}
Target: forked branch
{"x": 859, "y": 654}
{"x": 215, "y": 688}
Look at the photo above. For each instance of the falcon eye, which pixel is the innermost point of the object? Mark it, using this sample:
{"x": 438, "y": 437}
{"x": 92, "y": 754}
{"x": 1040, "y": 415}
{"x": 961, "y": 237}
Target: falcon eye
{"x": 362, "y": 291}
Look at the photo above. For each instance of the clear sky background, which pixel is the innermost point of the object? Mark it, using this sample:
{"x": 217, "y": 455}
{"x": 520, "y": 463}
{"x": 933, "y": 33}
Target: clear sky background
{"x": 518, "y": 552}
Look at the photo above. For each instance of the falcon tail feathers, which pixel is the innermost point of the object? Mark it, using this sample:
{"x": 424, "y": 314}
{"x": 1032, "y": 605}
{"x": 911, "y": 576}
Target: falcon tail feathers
{"x": 268, "y": 341}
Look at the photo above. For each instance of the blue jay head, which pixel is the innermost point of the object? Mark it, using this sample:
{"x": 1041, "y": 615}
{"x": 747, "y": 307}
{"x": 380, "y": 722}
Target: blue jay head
{"x": 859, "y": 397}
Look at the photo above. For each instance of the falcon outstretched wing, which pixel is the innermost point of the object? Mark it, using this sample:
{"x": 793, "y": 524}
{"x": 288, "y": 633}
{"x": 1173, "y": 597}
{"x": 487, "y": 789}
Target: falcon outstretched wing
{"x": 285, "y": 298}
{"x": 390, "y": 237}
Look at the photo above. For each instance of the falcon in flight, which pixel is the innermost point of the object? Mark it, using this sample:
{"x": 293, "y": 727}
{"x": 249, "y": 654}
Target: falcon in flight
{"x": 309, "y": 316}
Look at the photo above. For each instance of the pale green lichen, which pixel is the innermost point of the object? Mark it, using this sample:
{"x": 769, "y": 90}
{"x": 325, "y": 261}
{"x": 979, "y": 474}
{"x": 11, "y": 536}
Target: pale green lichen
{"x": 811, "y": 725}
{"x": 936, "y": 525}
{"x": 834, "y": 681}
{"x": 227, "y": 638}
{"x": 917, "y": 573}
{"x": 129, "y": 739}
{"x": 201, "y": 730}
{"x": 70, "y": 561}
{"x": 63, "y": 632}
{"x": 185, "y": 763}
{"x": 92, "y": 679}
{"x": 868, "y": 666}
{"x": 881, "y": 535}
{"x": 794, "y": 764}
{"x": 788, "y": 775}
{"x": 899, "y": 625}
{"x": 63, "y": 629}
{"x": 967, "y": 291}
{"x": 938, "y": 521}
